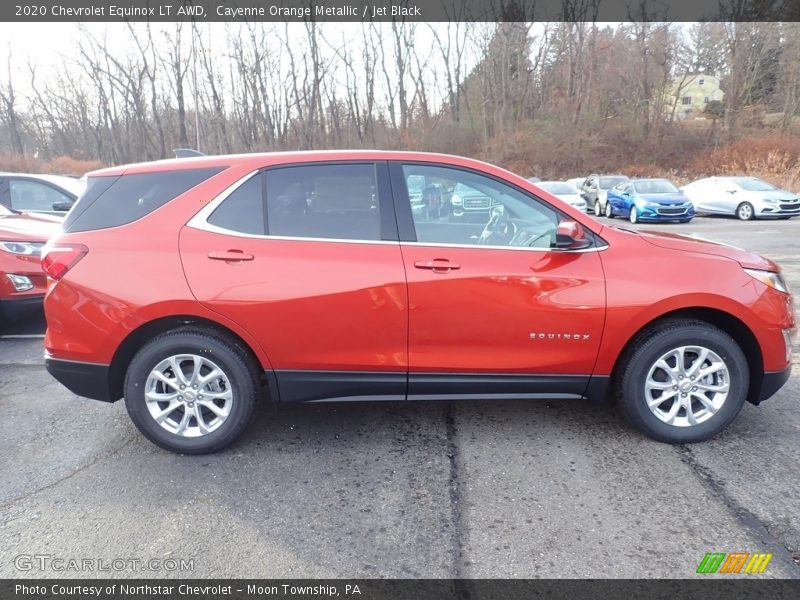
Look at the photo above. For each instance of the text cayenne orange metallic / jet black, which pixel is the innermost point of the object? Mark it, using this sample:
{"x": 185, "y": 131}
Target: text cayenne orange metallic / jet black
{"x": 185, "y": 286}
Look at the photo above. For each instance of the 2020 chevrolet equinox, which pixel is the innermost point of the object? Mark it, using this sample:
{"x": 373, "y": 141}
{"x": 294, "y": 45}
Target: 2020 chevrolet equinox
{"x": 186, "y": 286}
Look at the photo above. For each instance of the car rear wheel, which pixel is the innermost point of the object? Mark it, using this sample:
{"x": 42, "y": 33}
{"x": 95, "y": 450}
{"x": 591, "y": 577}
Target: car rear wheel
{"x": 609, "y": 213}
{"x": 683, "y": 381}
{"x": 634, "y": 215}
{"x": 745, "y": 211}
{"x": 191, "y": 391}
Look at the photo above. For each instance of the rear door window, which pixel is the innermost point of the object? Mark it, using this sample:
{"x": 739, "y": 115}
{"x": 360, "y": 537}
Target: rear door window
{"x": 324, "y": 201}
{"x": 243, "y": 210}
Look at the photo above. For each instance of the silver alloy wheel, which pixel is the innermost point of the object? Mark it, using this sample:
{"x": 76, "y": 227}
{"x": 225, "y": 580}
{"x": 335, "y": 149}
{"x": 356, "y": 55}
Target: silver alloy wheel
{"x": 608, "y": 209}
{"x": 687, "y": 386}
{"x": 188, "y": 395}
{"x": 745, "y": 212}
{"x": 598, "y": 211}
{"x": 633, "y": 216}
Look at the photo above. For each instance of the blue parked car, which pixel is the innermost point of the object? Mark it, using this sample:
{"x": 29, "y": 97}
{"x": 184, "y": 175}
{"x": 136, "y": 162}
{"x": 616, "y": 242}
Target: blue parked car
{"x": 652, "y": 200}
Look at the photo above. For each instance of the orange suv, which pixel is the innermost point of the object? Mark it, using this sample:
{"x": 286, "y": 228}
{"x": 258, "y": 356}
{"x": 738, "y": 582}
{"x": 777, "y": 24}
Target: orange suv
{"x": 186, "y": 286}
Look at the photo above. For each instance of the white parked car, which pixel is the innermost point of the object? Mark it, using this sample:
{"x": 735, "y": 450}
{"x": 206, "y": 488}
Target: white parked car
{"x": 577, "y": 182}
{"x": 746, "y": 197}
{"x": 28, "y": 192}
{"x": 563, "y": 190}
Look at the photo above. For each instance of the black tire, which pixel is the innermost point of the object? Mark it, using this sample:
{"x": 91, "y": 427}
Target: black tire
{"x": 230, "y": 357}
{"x": 745, "y": 212}
{"x": 629, "y": 380}
{"x": 598, "y": 210}
{"x": 608, "y": 211}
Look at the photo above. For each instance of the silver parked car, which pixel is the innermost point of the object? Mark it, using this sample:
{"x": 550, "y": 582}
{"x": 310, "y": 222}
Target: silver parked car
{"x": 746, "y": 197}
{"x": 563, "y": 190}
{"x": 595, "y": 189}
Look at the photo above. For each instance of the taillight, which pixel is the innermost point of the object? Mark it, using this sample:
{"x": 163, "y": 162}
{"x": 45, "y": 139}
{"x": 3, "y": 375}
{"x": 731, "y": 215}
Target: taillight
{"x": 60, "y": 258}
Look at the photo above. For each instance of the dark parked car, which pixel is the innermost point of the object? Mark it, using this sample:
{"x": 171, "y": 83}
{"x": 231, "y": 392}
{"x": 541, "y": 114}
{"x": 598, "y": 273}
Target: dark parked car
{"x": 53, "y": 194}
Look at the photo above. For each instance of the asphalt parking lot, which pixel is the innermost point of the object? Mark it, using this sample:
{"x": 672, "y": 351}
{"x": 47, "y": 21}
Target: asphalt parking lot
{"x": 432, "y": 490}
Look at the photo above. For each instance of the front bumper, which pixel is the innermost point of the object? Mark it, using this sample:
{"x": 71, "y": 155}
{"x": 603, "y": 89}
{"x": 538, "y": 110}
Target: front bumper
{"x": 772, "y": 382}
{"x": 90, "y": 380}
{"x": 14, "y": 308}
{"x": 768, "y": 209}
{"x": 666, "y": 213}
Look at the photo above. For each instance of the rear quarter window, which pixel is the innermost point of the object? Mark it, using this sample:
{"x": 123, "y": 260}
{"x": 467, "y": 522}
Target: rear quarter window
{"x": 114, "y": 201}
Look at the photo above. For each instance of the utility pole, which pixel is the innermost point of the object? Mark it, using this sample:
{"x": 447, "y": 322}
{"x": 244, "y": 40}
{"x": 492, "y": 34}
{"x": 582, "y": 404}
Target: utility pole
{"x": 194, "y": 77}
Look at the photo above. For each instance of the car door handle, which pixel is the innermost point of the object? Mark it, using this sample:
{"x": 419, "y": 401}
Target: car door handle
{"x": 438, "y": 265}
{"x": 230, "y": 256}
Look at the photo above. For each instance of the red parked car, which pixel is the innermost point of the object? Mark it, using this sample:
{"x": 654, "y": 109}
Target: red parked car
{"x": 22, "y": 281}
{"x": 185, "y": 286}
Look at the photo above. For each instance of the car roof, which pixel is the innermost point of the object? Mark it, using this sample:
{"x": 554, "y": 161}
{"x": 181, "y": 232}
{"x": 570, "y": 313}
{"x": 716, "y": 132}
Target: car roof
{"x": 259, "y": 160}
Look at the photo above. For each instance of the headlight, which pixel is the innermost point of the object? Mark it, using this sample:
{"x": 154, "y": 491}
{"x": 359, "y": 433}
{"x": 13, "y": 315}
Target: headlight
{"x": 26, "y": 248}
{"x": 455, "y": 200}
{"x": 769, "y": 278}
{"x": 771, "y": 200}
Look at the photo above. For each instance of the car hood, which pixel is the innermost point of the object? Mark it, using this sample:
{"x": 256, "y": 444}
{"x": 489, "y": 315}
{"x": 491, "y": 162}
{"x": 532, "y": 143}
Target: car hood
{"x": 29, "y": 227}
{"x": 666, "y": 199}
{"x": 673, "y": 241}
{"x": 570, "y": 198}
{"x": 777, "y": 195}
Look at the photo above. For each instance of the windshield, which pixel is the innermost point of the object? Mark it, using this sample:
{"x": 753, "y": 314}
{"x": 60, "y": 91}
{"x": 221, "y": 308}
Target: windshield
{"x": 465, "y": 190}
{"x": 558, "y": 187}
{"x": 751, "y": 184}
{"x": 655, "y": 186}
{"x": 606, "y": 183}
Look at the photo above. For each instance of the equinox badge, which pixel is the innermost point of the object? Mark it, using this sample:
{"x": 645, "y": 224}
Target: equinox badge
{"x": 576, "y": 337}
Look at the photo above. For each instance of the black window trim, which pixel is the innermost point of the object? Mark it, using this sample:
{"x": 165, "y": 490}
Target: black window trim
{"x": 406, "y": 220}
{"x": 386, "y": 205}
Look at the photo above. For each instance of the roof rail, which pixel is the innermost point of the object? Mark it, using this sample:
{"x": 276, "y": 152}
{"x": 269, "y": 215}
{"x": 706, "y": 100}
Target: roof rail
{"x": 186, "y": 153}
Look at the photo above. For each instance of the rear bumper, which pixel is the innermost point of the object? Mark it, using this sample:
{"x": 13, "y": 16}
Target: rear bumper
{"x": 772, "y": 382}
{"x": 12, "y": 308}
{"x": 89, "y": 380}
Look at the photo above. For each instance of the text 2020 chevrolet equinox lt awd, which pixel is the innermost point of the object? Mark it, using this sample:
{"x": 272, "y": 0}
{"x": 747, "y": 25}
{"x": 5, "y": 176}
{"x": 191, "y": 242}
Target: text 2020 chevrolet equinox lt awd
{"x": 185, "y": 286}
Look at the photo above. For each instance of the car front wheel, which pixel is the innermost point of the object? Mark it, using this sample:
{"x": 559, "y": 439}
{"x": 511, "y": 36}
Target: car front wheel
{"x": 683, "y": 381}
{"x": 191, "y": 391}
{"x": 634, "y": 215}
{"x": 609, "y": 212}
{"x": 598, "y": 210}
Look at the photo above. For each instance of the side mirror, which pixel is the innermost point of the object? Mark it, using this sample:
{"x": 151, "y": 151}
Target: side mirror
{"x": 62, "y": 206}
{"x": 570, "y": 236}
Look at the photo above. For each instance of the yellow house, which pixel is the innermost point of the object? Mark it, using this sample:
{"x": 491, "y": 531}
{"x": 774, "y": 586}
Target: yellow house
{"x": 693, "y": 93}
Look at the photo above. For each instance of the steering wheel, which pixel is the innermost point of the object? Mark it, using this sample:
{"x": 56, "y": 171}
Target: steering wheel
{"x": 499, "y": 231}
